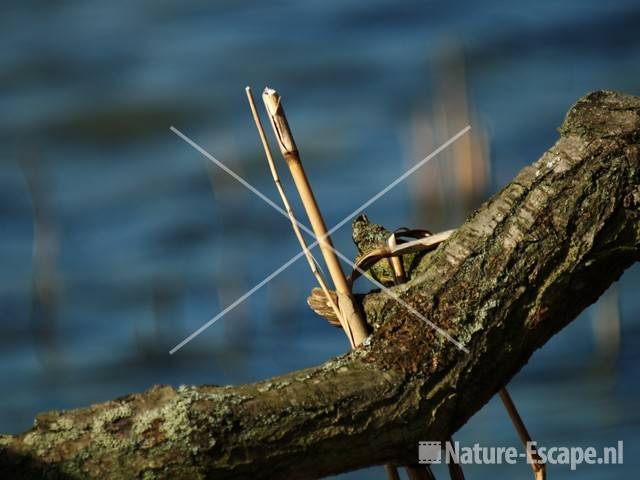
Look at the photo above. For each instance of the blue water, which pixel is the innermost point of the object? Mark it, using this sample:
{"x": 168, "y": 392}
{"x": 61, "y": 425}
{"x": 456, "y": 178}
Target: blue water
{"x": 145, "y": 240}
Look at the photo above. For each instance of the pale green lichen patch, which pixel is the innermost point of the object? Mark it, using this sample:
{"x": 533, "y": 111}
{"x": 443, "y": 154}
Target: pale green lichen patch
{"x": 176, "y": 417}
{"x": 43, "y": 441}
{"x": 5, "y": 440}
{"x": 166, "y": 422}
{"x": 62, "y": 424}
{"x": 603, "y": 114}
{"x": 111, "y": 415}
{"x": 146, "y": 428}
{"x": 31, "y": 438}
{"x": 182, "y": 417}
{"x": 146, "y": 420}
{"x": 108, "y": 427}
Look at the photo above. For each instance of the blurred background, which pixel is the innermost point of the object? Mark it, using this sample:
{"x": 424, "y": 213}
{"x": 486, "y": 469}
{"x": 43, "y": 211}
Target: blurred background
{"x": 118, "y": 239}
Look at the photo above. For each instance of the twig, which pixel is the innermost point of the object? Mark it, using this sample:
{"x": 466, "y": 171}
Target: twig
{"x": 356, "y": 327}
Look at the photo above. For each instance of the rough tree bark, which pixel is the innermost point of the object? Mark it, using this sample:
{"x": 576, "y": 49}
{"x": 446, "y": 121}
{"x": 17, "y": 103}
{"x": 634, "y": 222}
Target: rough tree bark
{"x": 525, "y": 264}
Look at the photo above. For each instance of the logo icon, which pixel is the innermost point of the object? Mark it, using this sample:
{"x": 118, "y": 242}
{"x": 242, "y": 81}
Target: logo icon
{"x": 429, "y": 452}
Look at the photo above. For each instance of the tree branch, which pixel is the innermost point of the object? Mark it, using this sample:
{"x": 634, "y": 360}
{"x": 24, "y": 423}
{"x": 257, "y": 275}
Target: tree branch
{"x": 523, "y": 266}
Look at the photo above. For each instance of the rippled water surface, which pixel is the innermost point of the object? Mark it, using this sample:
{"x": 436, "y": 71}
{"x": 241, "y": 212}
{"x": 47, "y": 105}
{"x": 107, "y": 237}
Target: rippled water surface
{"x": 119, "y": 239}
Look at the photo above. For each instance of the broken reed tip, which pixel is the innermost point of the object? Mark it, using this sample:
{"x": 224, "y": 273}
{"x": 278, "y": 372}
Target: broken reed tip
{"x": 271, "y": 100}
{"x": 280, "y": 125}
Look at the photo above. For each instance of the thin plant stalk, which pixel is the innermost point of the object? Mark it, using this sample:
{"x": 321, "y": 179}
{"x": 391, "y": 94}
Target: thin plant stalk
{"x": 357, "y": 328}
{"x": 539, "y": 469}
{"x": 287, "y": 205}
{"x": 396, "y": 262}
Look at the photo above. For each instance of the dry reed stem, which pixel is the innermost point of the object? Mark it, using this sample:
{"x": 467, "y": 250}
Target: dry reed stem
{"x": 539, "y": 469}
{"x": 357, "y": 329}
{"x": 287, "y": 205}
